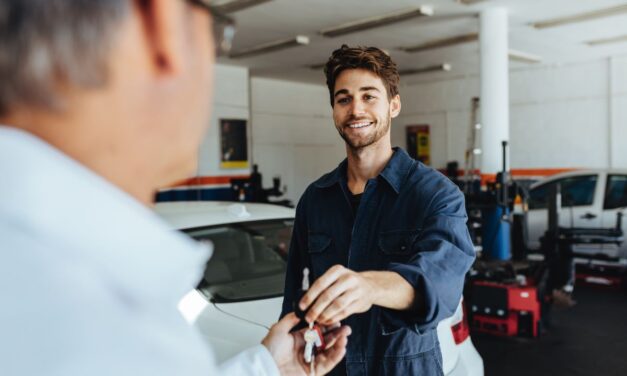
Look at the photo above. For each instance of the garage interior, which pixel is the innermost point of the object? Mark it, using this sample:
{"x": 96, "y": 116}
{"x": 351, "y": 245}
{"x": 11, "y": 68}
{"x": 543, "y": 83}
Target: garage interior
{"x": 548, "y": 77}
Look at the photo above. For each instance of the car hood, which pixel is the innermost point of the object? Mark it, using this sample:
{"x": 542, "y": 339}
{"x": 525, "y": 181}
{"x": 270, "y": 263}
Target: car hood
{"x": 230, "y": 328}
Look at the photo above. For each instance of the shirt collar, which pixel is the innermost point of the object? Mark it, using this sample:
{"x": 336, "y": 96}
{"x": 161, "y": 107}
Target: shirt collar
{"x": 397, "y": 169}
{"x": 394, "y": 173}
{"x": 84, "y": 218}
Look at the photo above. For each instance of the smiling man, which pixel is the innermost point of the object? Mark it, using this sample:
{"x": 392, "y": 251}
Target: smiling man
{"x": 384, "y": 236}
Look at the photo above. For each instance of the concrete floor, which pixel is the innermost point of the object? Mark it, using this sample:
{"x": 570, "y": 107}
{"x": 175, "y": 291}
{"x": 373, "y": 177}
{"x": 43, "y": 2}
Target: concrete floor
{"x": 587, "y": 339}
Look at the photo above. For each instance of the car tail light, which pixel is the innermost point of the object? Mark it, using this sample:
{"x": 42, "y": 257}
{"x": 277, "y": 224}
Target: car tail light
{"x": 459, "y": 325}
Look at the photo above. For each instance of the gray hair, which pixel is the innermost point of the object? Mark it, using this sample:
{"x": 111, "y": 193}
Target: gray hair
{"x": 50, "y": 42}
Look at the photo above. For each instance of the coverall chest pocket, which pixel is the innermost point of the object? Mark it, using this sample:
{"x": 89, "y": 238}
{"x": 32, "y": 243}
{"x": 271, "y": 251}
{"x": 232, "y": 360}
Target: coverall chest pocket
{"x": 397, "y": 245}
{"x": 319, "y": 247}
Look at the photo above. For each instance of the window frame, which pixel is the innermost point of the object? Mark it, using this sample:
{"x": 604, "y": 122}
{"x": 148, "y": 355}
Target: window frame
{"x": 607, "y": 190}
{"x": 561, "y": 181}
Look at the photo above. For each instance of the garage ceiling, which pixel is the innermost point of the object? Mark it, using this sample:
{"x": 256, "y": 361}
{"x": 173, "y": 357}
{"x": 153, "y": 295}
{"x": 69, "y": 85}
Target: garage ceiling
{"x": 281, "y": 19}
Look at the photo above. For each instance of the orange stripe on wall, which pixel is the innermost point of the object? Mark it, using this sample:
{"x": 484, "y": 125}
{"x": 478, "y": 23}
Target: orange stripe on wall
{"x": 539, "y": 171}
{"x": 527, "y": 172}
{"x": 207, "y": 180}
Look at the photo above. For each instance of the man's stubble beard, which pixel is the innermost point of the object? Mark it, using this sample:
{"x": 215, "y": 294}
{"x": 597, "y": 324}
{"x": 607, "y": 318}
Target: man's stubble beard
{"x": 359, "y": 145}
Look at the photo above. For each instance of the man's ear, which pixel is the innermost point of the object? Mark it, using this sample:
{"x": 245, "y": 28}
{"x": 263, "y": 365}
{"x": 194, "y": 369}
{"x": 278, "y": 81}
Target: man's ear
{"x": 163, "y": 32}
{"x": 395, "y": 106}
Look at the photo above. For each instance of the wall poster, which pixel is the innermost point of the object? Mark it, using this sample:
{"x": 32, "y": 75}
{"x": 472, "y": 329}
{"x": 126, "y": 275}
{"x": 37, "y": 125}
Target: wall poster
{"x": 233, "y": 143}
{"x": 418, "y": 142}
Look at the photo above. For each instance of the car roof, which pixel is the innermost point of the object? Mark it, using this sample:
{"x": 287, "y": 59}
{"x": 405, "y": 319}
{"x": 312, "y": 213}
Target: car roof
{"x": 590, "y": 171}
{"x": 191, "y": 214}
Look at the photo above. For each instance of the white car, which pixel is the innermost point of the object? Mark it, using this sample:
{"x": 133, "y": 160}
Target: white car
{"x": 590, "y": 199}
{"x": 240, "y": 295}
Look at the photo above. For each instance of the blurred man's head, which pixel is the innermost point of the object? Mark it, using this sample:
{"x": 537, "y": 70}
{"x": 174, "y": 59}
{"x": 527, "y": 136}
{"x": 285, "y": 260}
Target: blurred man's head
{"x": 123, "y": 86}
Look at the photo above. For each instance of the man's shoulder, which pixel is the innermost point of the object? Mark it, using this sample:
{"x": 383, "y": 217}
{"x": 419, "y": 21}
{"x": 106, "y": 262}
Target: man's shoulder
{"x": 325, "y": 181}
{"x": 427, "y": 179}
{"x": 317, "y": 190}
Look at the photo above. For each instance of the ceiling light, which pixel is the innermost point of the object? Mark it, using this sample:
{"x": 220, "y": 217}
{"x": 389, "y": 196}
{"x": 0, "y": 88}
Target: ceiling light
{"x": 235, "y": 5}
{"x": 459, "y": 39}
{"x": 317, "y": 66}
{"x": 299, "y": 40}
{"x": 598, "y": 42}
{"x": 445, "y": 67}
{"x": 581, "y": 17}
{"x": 377, "y": 21}
{"x": 470, "y": 2}
{"x": 524, "y": 57}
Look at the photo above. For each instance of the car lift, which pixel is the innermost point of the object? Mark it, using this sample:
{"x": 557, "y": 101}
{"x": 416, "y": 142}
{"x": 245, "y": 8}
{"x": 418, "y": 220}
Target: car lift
{"x": 514, "y": 297}
{"x": 502, "y": 293}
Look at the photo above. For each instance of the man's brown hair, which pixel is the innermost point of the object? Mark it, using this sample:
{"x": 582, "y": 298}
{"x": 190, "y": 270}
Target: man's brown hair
{"x": 368, "y": 58}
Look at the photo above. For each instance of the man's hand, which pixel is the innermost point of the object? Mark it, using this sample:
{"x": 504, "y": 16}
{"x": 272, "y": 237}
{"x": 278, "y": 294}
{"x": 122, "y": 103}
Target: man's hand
{"x": 287, "y": 348}
{"x": 337, "y": 294}
{"x": 341, "y": 292}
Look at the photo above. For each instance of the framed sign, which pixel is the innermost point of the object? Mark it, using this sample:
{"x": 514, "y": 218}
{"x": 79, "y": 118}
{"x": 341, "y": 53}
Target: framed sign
{"x": 418, "y": 143}
{"x": 233, "y": 144}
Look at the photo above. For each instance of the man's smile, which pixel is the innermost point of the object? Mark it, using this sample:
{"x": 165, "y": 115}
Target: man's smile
{"x": 359, "y": 124}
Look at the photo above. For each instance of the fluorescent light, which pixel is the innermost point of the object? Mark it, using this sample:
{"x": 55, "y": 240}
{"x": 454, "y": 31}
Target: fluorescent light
{"x": 445, "y": 67}
{"x": 524, "y": 57}
{"x": 581, "y": 17}
{"x": 235, "y": 5}
{"x": 459, "y": 39}
{"x": 598, "y": 42}
{"x": 299, "y": 40}
{"x": 470, "y": 2}
{"x": 377, "y": 21}
{"x": 317, "y": 66}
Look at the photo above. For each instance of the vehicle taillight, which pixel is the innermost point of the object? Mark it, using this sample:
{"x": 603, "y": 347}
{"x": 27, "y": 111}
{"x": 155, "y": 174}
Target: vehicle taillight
{"x": 459, "y": 325}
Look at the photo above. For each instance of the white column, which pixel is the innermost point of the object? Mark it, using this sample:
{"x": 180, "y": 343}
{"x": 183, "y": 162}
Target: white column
{"x": 611, "y": 140}
{"x": 493, "y": 40}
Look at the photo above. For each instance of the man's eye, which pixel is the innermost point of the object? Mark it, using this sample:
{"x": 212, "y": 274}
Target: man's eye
{"x": 369, "y": 97}
{"x": 343, "y": 100}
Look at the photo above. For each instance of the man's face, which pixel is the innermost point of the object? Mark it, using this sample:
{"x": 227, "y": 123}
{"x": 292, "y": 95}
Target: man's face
{"x": 362, "y": 111}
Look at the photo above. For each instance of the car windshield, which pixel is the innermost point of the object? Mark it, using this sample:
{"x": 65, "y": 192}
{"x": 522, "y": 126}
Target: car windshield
{"x": 248, "y": 261}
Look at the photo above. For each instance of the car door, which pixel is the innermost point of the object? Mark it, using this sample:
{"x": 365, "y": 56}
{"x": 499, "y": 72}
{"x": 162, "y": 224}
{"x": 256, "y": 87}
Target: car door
{"x": 582, "y": 201}
{"x": 615, "y": 201}
{"x": 580, "y": 206}
{"x": 537, "y": 216}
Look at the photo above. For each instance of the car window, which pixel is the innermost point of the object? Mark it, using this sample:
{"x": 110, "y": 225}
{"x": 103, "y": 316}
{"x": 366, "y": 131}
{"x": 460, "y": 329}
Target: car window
{"x": 616, "y": 192}
{"x": 576, "y": 191}
{"x": 248, "y": 261}
{"x": 538, "y": 196}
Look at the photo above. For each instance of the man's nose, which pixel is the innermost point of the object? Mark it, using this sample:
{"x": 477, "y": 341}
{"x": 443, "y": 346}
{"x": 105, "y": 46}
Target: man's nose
{"x": 357, "y": 108}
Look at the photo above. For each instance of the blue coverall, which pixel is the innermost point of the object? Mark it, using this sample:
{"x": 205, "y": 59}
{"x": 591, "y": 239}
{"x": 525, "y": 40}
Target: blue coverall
{"x": 411, "y": 220}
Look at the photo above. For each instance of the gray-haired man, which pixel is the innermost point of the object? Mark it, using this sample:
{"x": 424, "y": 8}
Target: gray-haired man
{"x": 102, "y": 102}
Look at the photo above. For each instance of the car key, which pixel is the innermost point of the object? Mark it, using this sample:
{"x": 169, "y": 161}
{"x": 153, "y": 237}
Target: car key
{"x": 303, "y": 289}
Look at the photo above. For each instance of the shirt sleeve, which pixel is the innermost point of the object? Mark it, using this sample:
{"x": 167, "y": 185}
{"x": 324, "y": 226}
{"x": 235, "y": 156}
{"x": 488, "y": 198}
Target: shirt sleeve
{"x": 254, "y": 361}
{"x": 98, "y": 330}
{"x": 295, "y": 262}
{"x": 442, "y": 254}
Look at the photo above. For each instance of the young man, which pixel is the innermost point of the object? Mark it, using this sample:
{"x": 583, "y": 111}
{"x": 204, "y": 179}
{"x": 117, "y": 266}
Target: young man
{"x": 102, "y": 102}
{"x": 384, "y": 236}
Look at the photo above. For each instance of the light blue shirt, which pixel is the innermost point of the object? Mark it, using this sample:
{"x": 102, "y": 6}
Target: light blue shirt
{"x": 90, "y": 279}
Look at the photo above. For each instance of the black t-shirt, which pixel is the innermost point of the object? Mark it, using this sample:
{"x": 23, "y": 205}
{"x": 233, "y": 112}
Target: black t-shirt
{"x": 355, "y": 200}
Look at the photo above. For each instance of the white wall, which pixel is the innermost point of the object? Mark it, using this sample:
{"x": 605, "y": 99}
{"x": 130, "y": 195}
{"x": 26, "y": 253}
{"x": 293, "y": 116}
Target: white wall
{"x": 293, "y": 133}
{"x": 230, "y": 102}
{"x": 567, "y": 116}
